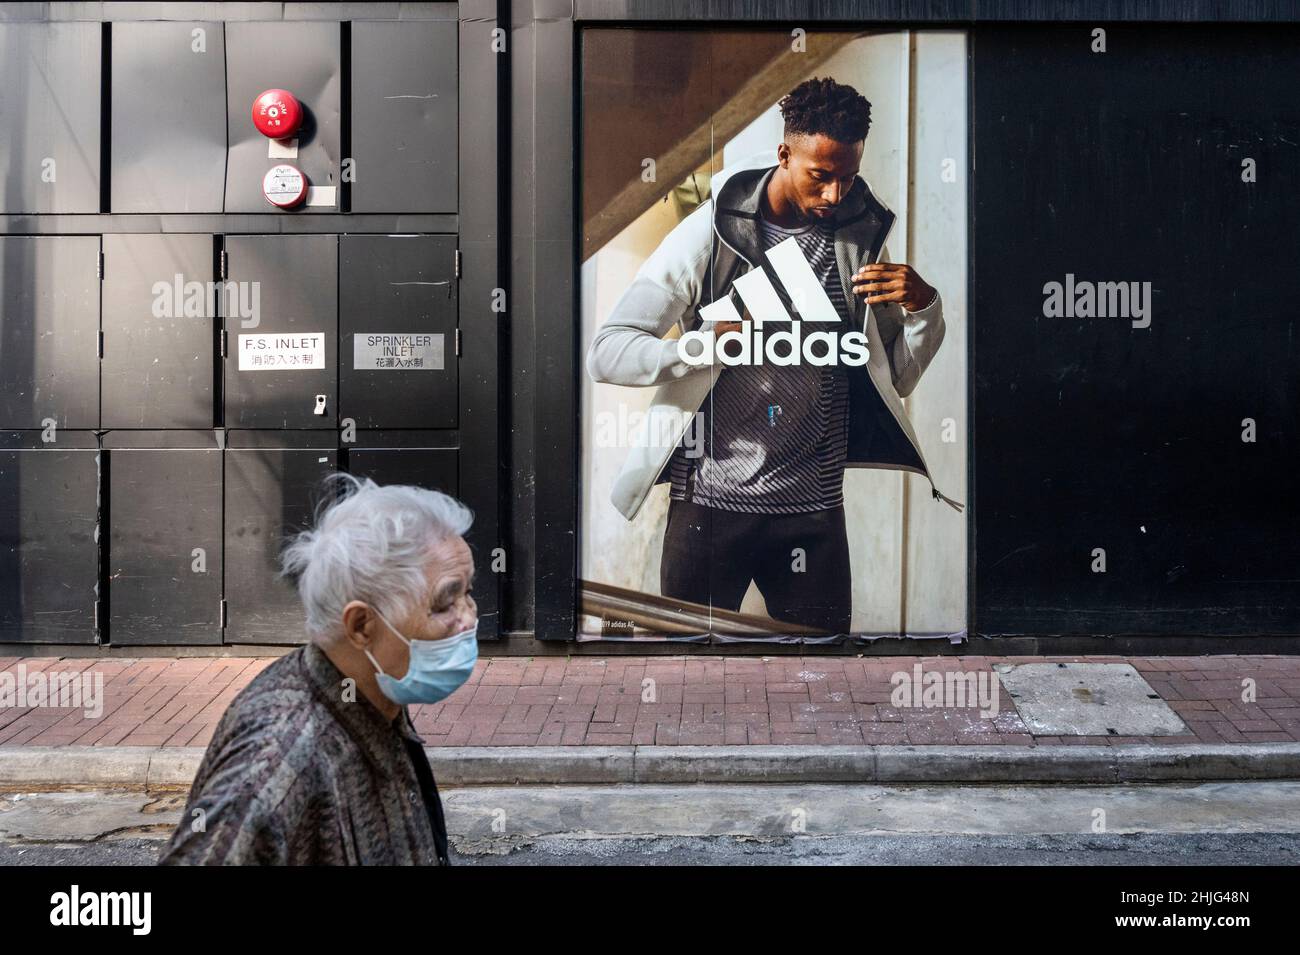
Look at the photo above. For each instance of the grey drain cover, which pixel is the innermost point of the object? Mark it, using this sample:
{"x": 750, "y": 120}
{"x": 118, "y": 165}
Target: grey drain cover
{"x": 1087, "y": 699}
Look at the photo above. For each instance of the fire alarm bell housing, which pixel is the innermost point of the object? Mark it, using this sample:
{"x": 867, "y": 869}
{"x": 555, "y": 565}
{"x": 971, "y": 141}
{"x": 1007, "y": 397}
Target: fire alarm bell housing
{"x": 277, "y": 114}
{"x": 284, "y": 186}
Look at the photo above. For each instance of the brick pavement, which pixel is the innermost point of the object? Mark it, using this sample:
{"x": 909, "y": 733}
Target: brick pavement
{"x": 715, "y": 700}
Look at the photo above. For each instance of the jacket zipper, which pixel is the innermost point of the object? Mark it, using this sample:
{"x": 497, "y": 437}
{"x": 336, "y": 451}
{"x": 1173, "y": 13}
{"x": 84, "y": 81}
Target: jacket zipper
{"x": 935, "y": 493}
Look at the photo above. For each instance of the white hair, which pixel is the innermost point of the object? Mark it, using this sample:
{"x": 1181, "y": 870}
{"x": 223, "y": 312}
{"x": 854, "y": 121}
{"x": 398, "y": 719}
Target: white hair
{"x": 372, "y": 544}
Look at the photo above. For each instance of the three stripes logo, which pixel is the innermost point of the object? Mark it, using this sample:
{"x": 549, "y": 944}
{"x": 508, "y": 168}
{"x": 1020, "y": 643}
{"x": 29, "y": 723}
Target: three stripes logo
{"x": 790, "y": 346}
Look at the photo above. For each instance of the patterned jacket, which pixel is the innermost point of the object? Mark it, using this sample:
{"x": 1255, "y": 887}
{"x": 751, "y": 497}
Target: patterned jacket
{"x": 295, "y": 775}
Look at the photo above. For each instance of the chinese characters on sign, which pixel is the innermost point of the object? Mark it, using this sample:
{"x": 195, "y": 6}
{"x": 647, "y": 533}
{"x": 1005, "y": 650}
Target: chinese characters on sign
{"x": 279, "y": 352}
{"x": 397, "y": 351}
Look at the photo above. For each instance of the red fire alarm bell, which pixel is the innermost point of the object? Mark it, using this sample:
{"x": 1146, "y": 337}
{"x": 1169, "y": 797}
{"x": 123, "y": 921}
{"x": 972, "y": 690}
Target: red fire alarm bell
{"x": 284, "y": 186}
{"x": 277, "y": 114}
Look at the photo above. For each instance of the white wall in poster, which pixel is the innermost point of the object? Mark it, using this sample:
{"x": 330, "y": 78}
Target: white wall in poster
{"x": 935, "y": 561}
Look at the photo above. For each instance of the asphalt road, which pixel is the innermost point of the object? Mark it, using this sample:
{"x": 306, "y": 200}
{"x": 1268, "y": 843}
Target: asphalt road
{"x": 752, "y": 825}
{"x": 1230, "y": 849}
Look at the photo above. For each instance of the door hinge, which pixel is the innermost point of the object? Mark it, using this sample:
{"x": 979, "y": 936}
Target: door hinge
{"x": 225, "y": 338}
{"x": 99, "y": 265}
{"x": 224, "y": 614}
{"x": 225, "y": 265}
{"x": 458, "y": 263}
{"x": 99, "y": 345}
{"x": 458, "y": 343}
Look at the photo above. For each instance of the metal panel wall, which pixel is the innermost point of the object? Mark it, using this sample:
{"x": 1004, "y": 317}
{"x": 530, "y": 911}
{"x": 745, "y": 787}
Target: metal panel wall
{"x": 160, "y": 331}
{"x": 433, "y": 468}
{"x": 168, "y": 144}
{"x": 49, "y": 331}
{"x": 486, "y": 359}
{"x": 49, "y": 566}
{"x": 303, "y": 58}
{"x": 397, "y": 328}
{"x": 164, "y": 544}
{"x": 404, "y": 116}
{"x": 1136, "y": 469}
{"x": 268, "y": 384}
{"x": 554, "y": 300}
{"x": 178, "y": 179}
{"x": 49, "y": 117}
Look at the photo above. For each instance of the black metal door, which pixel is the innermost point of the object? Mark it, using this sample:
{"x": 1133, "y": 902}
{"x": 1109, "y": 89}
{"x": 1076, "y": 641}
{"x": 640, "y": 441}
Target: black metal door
{"x": 160, "y": 331}
{"x": 49, "y": 116}
{"x": 432, "y": 468}
{"x": 49, "y": 564}
{"x": 164, "y": 544}
{"x": 168, "y": 147}
{"x": 397, "y": 325}
{"x": 49, "y": 332}
{"x": 280, "y": 353}
{"x": 274, "y": 482}
{"x": 303, "y": 58}
{"x": 404, "y": 137}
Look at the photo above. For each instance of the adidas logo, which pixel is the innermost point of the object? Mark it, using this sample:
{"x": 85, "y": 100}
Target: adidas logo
{"x": 789, "y": 346}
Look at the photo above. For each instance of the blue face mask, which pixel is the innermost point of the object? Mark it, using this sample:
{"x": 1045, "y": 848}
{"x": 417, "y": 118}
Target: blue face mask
{"x": 437, "y": 668}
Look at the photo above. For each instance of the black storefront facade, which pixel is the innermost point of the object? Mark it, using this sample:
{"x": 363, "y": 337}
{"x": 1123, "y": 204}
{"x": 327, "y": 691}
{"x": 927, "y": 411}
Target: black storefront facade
{"x": 150, "y": 463}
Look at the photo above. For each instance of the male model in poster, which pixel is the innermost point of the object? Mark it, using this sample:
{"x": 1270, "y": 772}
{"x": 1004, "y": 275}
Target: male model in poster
{"x": 764, "y": 501}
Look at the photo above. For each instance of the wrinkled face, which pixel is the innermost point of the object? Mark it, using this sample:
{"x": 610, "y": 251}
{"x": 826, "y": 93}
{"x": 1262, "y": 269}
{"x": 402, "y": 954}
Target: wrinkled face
{"x": 448, "y": 607}
{"x": 819, "y": 172}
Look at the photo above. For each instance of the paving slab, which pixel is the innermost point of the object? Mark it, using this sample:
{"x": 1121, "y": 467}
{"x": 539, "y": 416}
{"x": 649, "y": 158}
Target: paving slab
{"x": 1087, "y": 699}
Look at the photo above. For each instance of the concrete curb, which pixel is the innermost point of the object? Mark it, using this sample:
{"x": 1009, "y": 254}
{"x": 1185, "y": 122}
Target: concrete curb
{"x": 146, "y": 767}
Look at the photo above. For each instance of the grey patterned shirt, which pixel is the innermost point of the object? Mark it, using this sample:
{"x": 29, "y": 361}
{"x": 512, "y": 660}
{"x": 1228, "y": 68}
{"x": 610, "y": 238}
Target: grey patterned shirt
{"x": 296, "y": 776}
{"x": 775, "y": 436}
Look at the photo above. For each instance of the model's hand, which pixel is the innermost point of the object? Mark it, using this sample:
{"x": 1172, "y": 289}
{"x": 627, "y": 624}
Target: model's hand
{"x": 882, "y": 282}
{"x": 721, "y": 328}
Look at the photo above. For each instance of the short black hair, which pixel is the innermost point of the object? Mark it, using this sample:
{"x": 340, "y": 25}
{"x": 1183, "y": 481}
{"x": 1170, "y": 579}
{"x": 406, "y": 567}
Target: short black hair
{"x": 823, "y": 106}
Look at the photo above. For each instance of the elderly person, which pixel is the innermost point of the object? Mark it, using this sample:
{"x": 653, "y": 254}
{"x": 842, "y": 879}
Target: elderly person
{"x": 317, "y": 762}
